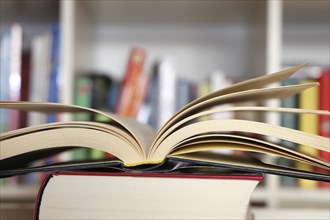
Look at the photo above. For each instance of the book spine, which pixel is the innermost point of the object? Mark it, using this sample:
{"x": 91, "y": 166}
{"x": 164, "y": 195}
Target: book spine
{"x": 139, "y": 96}
{"x": 15, "y": 56}
{"x": 113, "y": 94}
{"x": 25, "y": 85}
{"x": 4, "y": 80}
{"x": 219, "y": 80}
{"x": 100, "y": 87}
{"x": 324, "y": 120}
{"x": 82, "y": 97}
{"x": 309, "y": 99}
{"x": 53, "y": 95}
{"x": 289, "y": 121}
{"x": 166, "y": 92}
{"x": 183, "y": 89}
{"x": 40, "y": 72}
{"x": 152, "y": 98}
{"x": 130, "y": 82}
{"x": 203, "y": 89}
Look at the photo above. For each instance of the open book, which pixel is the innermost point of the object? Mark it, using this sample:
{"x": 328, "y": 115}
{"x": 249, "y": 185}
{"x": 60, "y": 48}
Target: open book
{"x": 186, "y": 137}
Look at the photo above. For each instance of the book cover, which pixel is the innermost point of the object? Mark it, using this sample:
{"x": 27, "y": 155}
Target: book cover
{"x": 4, "y": 79}
{"x": 130, "y": 85}
{"x": 309, "y": 99}
{"x": 40, "y": 72}
{"x": 289, "y": 121}
{"x": 15, "y": 77}
{"x": 324, "y": 120}
{"x": 54, "y": 75}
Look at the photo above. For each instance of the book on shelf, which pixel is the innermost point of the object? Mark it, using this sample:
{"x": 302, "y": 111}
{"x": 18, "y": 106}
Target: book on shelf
{"x": 40, "y": 72}
{"x": 324, "y": 120}
{"x": 10, "y": 74}
{"x": 308, "y": 99}
{"x": 131, "y": 84}
{"x": 181, "y": 138}
{"x": 213, "y": 193}
{"x": 54, "y": 75}
{"x": 289, "y": 121}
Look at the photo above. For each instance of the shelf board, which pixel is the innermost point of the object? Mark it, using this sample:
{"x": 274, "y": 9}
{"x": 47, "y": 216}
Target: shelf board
{"x": 293, "y": 194}
{"x": 18, "y": 193}
{"x": 171, "y": 11}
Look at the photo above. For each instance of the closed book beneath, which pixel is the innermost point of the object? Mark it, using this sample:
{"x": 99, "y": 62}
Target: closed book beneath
{"x": 117, "y": 195}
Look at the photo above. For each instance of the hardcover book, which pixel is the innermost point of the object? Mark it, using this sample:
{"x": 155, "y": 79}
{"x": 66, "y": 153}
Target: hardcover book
{"x": 115, "y": 195}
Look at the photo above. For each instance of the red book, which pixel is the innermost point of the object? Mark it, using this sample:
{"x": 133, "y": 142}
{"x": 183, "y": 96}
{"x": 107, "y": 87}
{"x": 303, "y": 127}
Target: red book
{"x": 130, "y": 84}
{"x": 324, "y": 120}
{"x": 118, "y": 195}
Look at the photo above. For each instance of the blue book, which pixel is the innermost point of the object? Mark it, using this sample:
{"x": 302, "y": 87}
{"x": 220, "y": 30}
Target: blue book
{"x": 54, "y": 74}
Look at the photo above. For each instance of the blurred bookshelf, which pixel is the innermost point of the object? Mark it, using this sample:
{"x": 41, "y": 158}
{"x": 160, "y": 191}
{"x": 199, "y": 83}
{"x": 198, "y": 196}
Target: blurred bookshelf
{"x": 198, "y": 38}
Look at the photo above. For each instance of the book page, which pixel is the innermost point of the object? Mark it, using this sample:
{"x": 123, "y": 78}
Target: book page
{"x": 199, "y": 116}
{"x": 256, "y": 94}
{"x": 317, "y": 142}
{"x": 208, "y": 142}
{"x": 254, "y": 83}
{"x": 89, "y": 134}
{"x": 143, "y": 134}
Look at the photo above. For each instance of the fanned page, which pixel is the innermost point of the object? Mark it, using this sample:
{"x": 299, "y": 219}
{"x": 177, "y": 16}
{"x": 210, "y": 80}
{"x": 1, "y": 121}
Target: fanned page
{"x": 122, "y": 137}
{"x": 250, "y": 95}
{"x": 100, "y": 136}
{"x": 221, "y": 137}
{"x": 254, "y": 83}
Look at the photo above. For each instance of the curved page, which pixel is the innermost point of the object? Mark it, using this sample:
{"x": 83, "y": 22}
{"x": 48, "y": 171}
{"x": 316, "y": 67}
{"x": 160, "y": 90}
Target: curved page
{"x": 317, "y": 142}
{"x": 254, "y": 83}
{"x": 233, "y": 109}
{"x": 143, "y": 134}
{"x": 70, "y": 136}
{"x": 250, "y": 95}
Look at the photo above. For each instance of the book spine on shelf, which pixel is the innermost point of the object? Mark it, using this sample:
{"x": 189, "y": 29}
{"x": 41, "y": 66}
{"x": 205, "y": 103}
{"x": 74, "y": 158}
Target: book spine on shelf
{"x": 183, "y": 89}
{"x": 40, "y": 72}
{"x": 309, "y": 99}
{"x": 203, "y": 88}
{"x": 54, "y": 75}
{"x": 139, "y": 96}
{"x": 219, "y": 80}
{"x": 83, "y": 96}
{"x": 25, "y": 85}
{"x": 152, "y": 98}
{"x": 289, "y": 121}
{"x": 324, "y": 120}
{"x": 129, "y": 85}
{"x": 4, "y": 79}
{"x": 166, "y": 92}
{"x": 15, "y": 57}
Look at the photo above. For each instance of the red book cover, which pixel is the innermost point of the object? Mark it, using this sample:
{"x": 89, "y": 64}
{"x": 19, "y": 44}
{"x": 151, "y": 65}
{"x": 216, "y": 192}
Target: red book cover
{"x": 324, "y": 120}
{"x": 130, "y": 82}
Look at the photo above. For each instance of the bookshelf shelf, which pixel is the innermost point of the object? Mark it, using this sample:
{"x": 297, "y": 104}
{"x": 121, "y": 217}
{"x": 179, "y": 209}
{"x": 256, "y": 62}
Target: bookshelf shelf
{"x": 197, "y": 36}
{"x": 18, "y": 193}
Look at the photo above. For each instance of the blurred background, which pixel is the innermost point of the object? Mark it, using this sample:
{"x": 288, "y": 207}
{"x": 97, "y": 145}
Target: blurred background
{"x": 84, "y": 52}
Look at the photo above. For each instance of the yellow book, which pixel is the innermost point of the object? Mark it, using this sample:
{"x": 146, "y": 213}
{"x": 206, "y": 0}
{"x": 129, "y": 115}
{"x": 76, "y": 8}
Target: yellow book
{"x": 308, "y": 123}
